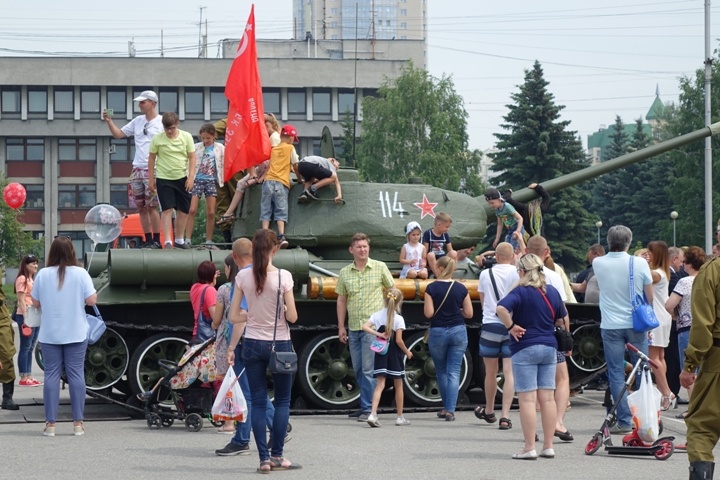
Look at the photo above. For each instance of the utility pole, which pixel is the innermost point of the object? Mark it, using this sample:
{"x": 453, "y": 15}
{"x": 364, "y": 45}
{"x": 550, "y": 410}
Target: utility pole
{"x": 162, "y": 51}
{"x": 708, "y": 144}
{"x": 373, "y": 29}
{"x": 200, "y": 47}
{"x": 355, "y": 114}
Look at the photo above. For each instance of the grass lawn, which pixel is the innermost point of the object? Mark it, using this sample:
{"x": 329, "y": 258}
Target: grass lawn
{"x": 10, "y": 297}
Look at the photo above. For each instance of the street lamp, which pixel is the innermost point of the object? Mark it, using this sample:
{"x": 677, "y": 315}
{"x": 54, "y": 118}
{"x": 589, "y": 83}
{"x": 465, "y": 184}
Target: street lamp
{"x": 598, "y": 224}
{"x": 674, "y": 216}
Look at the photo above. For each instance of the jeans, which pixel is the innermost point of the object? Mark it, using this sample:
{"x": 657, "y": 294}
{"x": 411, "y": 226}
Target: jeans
{"x": 683, "y": 342}
{"x": 256, "y": 356}
{"x": 614, "y": 347}
{"x": 72, "y": 357}
{"x": 509, "y": 237}
{"x": 447, "y": 347}
{"x": 27, "y": 344}
{"x": 242, "y": 434}
{"x": 363, "y": 360}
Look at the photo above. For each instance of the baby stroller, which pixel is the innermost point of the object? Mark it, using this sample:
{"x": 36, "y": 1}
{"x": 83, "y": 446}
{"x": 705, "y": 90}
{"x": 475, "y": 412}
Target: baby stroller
{"x": 187, "y": 386}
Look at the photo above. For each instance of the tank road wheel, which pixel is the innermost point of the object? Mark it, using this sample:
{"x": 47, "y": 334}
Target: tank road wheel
{"x": 588, "y": 354}
{"x": 420, "y": 382}
{"x": 106, "y": 361}
{"x": 326, "y": 375}
{"x": 144, "y": 371}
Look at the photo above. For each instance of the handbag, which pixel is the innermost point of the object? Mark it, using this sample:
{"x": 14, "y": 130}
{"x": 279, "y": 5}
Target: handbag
{"x": 643, "y": 314}
{"x": 426, "y": 337}
{"x": 33, "y": 316}
{"x": 281, "y": 362}
{"x": 204, "y": 329}
{"x": 563, "y": 337}
{"x": 96, "y": 326}
{"x": 380, "y": 345}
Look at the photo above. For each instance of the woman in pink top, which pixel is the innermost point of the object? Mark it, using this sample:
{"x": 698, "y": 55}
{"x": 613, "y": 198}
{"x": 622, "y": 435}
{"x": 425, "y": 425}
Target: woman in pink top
{"x": 260, "y": 284}
{"x": 28, "y": 336}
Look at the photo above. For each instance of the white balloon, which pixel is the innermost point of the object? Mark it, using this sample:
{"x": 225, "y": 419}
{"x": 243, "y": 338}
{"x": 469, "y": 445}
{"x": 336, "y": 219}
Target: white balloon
{"x": 103, "y": 223}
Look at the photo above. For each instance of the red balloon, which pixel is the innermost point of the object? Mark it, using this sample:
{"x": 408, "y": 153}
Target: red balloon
{"x": 14, "y": 195}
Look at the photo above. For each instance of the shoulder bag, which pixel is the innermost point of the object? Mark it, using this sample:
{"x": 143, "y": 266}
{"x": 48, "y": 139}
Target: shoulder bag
{"x": 96, "y": 326}
{"x": 281, "y": 362}
{"x": 32, "y": 316}
{"x": 204, "y": 328}
{"x": 643, "y": 315}
{"x": 564, "y": 338}
{"x": 495, "y": 289}
{"x": 427, "y": 332}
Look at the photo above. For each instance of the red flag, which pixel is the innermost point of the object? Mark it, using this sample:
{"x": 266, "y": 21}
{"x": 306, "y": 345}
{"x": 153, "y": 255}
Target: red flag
{"x": 246, "y": 140}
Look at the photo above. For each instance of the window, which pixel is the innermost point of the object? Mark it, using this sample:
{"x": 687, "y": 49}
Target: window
{"x": 333, "y": 11}
{"x": 35, "y": 196}
{"x": 168, "y": 101}
{"x": 136, "y": 93}
{"x": 316, "y": 146}
{"x": 89, "y": 101}
{"x": 77, "y": 149}
{"x": 116, "y": 100}
{"x": 333, "y": 25}
{"x": 124, "y": 149}
{"x": 80, "y": 241}
{"x": 321, "y": 102}
{"x": 119, "y": 196}
{"x": 346, "y": 102}
{"x": 194, "y": 102}
{"x": 76, "y": 196}
{"x": 37, "y": 100}
{"x": 387, "y": 22}
{"x": 25, "y": 149}
{"x": 63, "y": 100}
{"x": 403, "y": 12}
{"x": 271, "y": 101}
{"x": 10, "y": 99}
{"x": 403, "y": 25}
{"x": 296, "y": 101}
{"x": 218, "y": 101}
{"x": 403, "y": 37}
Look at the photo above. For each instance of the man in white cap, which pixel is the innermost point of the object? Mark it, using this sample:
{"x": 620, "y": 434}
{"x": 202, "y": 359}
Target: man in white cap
{"x": 142, "y": 128}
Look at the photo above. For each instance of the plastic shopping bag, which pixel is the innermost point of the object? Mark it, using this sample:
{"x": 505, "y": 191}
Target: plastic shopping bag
{"x": 645, "y": 409}
{"x": 230, "y": 402}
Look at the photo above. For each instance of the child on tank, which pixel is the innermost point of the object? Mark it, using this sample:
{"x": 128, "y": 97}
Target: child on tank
{"x": 388, "y": 324}
{"x": 412, "y": 254}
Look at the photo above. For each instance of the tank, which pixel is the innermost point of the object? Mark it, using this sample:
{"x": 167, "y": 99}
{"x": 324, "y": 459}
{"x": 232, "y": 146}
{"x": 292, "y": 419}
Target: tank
{"x": 143, "y": 295}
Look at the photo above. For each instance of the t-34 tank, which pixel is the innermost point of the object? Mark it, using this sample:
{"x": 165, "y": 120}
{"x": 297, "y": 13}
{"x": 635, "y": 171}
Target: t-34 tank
{"x": 144, "y": 294}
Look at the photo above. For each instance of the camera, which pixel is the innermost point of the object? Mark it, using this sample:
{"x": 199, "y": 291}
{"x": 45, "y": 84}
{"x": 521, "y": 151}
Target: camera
{"x": 489, "y": 261}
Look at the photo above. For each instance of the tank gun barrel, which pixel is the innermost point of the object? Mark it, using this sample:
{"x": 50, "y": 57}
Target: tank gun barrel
{"x": 565, "y": 181}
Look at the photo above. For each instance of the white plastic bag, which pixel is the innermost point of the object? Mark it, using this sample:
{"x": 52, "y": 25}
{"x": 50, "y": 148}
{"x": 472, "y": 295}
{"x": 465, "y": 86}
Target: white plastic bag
{"x": 230, "y": 402}
{"x": 645, "y": 409}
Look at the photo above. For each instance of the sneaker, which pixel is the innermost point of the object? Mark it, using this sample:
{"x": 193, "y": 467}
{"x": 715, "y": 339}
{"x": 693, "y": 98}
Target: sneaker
{"x": 232, "y": 449}
{"x": 78, "y": 430}
{"x": 28, "y": 382}
{"x": 283, "y": 243}
{"x": 602, "y": 386}
{"x": 312, "y": 192}
{"x": 400, "y": 421}
{"x": 363, "y": 417}
{"x": 372, "y": 420}
{"x": 288, "y": 437}
{"x": 155, "y": 245}
{"x": 36, "y": 382}
{"x": 618, "y": 429}
{"x": 168, "y": 246}
{"x": 181, "y": 246}
{"x": 355, "y": 415}
{"x": 210, "y": 245}
{"x": 303, "y": 197}
{"x": 49, "y": 431}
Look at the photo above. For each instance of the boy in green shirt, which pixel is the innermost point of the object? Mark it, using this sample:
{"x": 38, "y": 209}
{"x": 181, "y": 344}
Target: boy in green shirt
{"x": 172, "y": 156}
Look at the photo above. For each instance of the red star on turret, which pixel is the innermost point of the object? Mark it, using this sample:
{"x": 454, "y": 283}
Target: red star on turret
{"x": 426, "y": 207}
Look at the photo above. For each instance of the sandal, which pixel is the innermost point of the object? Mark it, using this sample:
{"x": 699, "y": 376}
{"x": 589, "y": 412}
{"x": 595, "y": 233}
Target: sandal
{"x": 265, "y": 463}
{"x": 667, "y": 402}
{"x": 682, "y": 415}
{"x": 225, "y": 218}
{"x": 277, "y": 464}
{"x": 505, "y": 424}
{"x": 565, "y": 436}
{"x": 482, "y": 415}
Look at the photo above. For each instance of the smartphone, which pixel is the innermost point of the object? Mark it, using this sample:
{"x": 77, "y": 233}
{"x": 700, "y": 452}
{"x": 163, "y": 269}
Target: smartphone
{"x": 109, "y": 112}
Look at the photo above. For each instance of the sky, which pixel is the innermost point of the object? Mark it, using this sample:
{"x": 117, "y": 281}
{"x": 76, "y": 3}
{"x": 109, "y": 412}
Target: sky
{"x": 602, "y": 59}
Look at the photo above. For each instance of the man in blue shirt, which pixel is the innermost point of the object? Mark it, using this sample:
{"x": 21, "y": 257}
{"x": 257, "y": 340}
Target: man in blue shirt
{"x": 613, "y": 275}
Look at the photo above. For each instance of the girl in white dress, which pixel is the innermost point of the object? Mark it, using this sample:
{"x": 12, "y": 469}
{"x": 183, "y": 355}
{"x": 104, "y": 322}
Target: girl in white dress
{"x": 659, "y": 338}
{"x": 411, "y": 255}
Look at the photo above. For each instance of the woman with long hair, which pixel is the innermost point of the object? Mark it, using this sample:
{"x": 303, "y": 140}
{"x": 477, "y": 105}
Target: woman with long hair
{"x": 530, "y": 312}
{"x": 62, "y": 289}
{"x": 28, "y": 335}
{"x": 447, "y": 305}
{"x": 659, "y": 338}
{"x": 263, "y": 327}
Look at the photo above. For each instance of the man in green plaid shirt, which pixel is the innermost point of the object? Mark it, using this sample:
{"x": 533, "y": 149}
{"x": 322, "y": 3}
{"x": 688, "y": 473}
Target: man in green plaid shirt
{"x": 360, "y": 294}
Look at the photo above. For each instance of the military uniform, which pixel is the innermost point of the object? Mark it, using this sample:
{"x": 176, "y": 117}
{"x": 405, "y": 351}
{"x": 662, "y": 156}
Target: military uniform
{"x": 703, "y": 419}
{"x": 7, "y": 351}
{"x": 227, "y": 191}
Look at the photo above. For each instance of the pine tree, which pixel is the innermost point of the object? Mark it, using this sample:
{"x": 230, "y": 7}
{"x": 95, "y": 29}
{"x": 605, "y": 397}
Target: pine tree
{"x": 347, "y": 140}
{"x": 538, "y": 147}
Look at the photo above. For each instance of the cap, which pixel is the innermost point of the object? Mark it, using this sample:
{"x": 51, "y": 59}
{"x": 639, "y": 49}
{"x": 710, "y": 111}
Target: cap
{"x": 146, "y": 95}
{"x": 290, "y": 131}
{"x": 492, "y": 194}
{"x": 412, "y": 226}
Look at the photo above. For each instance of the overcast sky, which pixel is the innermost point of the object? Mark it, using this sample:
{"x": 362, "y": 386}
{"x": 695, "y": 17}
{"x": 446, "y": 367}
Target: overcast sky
{"x": 601, "y": 58}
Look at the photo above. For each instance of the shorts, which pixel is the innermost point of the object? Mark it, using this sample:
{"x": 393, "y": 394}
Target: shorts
{"x": 534, "y": 368}
{"x": 139, "y": 194}
{"x": 494, "y": 340}
{"x": 204, "y": 187}
{"x": 310, "y": 170}
{"x": 561, "y": 358}
{"x": 510, "y": 239}
{"x": 274, "y": 201}
{"x": 172, "y": 194}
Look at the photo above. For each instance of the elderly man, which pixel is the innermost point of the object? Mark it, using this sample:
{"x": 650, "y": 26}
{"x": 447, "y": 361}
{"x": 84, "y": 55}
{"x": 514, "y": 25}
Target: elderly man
{"x": 616, "y": 327}
{"x": 672, "y": 355}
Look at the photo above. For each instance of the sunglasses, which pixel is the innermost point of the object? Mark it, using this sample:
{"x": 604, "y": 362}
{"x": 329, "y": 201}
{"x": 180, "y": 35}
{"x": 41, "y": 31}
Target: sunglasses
{"x": 145, "y": 128}
{"x": 31, "y": 258}
{"x": 65, "y": 236}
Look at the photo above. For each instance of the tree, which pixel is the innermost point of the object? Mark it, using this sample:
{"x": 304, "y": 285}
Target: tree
{"x": 347, "y": 140}
{"x": 538, "y": 147}
{"x": 198, "y": 233}
{"x": 417, "y": 127}
{"x": 14, "y": 242}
